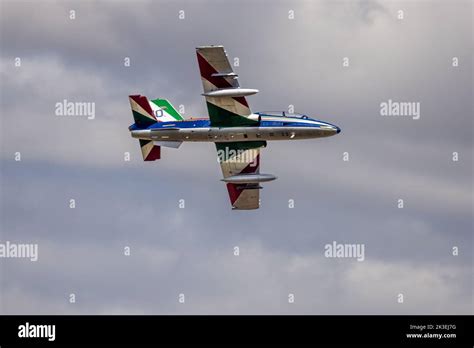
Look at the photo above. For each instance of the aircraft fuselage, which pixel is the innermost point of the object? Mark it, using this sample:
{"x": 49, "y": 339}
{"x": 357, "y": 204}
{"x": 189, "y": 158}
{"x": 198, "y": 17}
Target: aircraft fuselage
{"x": 268, "y": 127}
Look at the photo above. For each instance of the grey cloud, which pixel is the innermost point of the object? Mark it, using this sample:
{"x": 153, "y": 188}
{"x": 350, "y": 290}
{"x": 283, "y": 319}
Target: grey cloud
{"x": 189, "y": 250}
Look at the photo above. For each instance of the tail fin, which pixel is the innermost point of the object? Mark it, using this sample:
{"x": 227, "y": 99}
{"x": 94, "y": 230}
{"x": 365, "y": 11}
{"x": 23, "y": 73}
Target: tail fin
{"x": 146, "y": 112}
{"x": 142, "y": 111}
{"x": 164, "y": 111}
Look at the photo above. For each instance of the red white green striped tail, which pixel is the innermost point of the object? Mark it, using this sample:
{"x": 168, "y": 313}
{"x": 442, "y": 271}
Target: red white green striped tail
{"x": 146, "y": 113}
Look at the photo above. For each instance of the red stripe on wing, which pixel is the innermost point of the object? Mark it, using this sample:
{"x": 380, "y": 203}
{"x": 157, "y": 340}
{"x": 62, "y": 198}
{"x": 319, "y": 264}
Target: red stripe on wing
{"x": 154, "y": 154}
{"x": 235, "y": 190}
{"x": 207, "y": 70}
{"x": 252, "y": 167}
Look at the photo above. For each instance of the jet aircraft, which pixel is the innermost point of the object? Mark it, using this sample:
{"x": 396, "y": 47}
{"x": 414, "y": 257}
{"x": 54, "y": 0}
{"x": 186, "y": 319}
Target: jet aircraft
{"x": 237, "y": 132}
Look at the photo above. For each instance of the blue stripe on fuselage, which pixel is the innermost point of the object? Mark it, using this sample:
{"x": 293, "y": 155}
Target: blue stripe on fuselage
{"x": 181, "y": 124}
{"x": 206, "y": 124}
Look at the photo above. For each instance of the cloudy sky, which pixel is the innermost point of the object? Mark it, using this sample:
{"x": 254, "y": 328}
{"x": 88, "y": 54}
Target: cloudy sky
{"x": 190, "y": 251}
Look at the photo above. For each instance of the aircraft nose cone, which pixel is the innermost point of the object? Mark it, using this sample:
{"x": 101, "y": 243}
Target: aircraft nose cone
{"x": 338, "y": 130}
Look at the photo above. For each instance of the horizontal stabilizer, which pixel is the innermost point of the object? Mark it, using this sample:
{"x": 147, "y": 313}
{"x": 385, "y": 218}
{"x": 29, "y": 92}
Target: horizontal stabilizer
{"x": 150, "y": 152}
{"x": 146, "y": 112}
{"x": 172, "y": 144}
{"x": 141, "y": 110}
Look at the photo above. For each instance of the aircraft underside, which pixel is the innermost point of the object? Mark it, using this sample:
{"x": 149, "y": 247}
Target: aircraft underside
{"x": 215, "y": 134}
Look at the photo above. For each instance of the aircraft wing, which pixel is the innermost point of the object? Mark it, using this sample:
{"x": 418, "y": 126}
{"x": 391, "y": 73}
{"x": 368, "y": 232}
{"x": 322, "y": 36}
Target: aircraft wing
{"x": 237, "y": 158}
{"x": 226, "y": 102}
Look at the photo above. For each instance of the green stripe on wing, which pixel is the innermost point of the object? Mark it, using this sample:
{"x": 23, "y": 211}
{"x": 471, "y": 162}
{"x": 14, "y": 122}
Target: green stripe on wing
{"x": 223, "y": 118}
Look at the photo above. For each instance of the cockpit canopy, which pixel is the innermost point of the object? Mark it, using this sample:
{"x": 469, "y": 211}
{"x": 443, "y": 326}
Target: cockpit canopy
{"x": 281, "y": 114}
